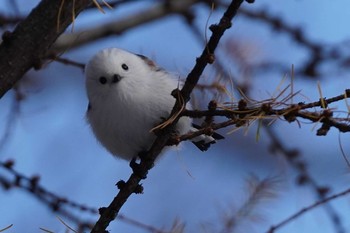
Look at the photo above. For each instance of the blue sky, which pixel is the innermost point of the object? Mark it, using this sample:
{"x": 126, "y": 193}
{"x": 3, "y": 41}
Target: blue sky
{"x": 51, "y": 137}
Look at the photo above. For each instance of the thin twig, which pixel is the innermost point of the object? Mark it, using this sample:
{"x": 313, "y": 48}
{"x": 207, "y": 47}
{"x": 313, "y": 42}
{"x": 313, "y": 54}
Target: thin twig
{"x": 307, "y": 209}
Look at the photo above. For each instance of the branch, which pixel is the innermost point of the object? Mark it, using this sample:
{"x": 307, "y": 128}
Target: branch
{"x": 307, "y": 209}
{"x": 304, "y": 177}
{"x": 29, "y": 42}
{"x": 127, "y": 188}
{"x": 56, "y": 203}
{"x": 9, "y": 20}
{"x": 153, "y": 13}
{"x": 240, "y": 114}
{"x": 319, "y": 53}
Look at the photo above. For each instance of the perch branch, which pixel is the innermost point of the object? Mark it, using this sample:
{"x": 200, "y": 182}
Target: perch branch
{"x": 109, "y": 213}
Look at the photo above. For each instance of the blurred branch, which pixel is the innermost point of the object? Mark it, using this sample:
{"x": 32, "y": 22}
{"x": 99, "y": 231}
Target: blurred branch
{"x": 219, "y": 67}
{"x": 298, "y": 164}
{"x": 109, "y": 213}
{"x": 76, "y": 39}
{"x": 244, "y": 116}
{"x": 311, "y": 67}
{"x": 304, "y": 177}
{"x": 56, "y": 57}
{"x": 12, "y": 116}
{"x": 114, "y": 4}
{"x": 143, "y": 226}
{"x": 259, "y": 193}
{"x": 24, "y": 48}
{"x": 319, "y": 53}
{"x": 55, "y": 202}
{"x": 9, "y": 20}
{"x": 6, "y": 228}
{"x": 308, "y": 209}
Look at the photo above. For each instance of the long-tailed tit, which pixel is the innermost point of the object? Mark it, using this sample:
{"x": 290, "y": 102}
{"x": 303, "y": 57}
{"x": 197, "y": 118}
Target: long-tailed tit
{"x": 128, "y": 96}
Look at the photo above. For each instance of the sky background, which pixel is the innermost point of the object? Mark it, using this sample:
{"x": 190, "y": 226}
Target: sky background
{"x": 51, "y": 138}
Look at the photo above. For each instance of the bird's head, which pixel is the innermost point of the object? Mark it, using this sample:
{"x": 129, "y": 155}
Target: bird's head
{"x": 115, "y": 70}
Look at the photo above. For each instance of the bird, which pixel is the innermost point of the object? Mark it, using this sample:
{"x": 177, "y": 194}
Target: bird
{"x": 128, "y": 96}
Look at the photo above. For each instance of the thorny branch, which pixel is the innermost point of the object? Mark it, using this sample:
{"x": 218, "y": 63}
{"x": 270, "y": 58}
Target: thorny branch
{"x": 292, "y": 156}
{"x": 127, "y": 188}
{"x": 57, "y": 203}
{"x": 319, "y": 53}
{"x": 240, "y": 114}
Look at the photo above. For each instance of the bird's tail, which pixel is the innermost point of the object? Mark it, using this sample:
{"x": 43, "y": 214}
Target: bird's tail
{"x": 203, "y": 142}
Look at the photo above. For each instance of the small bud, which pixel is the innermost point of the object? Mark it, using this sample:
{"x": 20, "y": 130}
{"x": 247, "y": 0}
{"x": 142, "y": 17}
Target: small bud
{"x": 139, "y": 189}
{"x": 37, "y": 64}
{"x": 34, "y": 181}
{"x": 210, "y": 58}
{"x": 9, "y": 163}
{"x": 302, "y": 179}
{"x": 213, "y": 27}
{"x": 323, "y": 130}
{"x": 242, "y": 104}
{"x": 212, "y": 105}
{"x": 323, "y": 191}
{"x": 120, "y": 184}
{"x": 7, "y": 37}
{"x": 102, "y": 210}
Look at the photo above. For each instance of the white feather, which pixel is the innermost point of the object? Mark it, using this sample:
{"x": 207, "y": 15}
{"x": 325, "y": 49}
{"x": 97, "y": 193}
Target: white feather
{"x": 122, "y": 112}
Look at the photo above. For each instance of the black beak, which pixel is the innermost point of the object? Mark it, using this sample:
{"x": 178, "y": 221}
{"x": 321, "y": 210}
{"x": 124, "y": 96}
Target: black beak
{"x": 116, "y": 78}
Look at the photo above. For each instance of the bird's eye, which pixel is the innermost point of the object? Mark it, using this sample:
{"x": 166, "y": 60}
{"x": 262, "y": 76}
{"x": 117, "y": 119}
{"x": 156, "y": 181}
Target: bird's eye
{"x": 102, "y": 80}
{"x": 125, "y": 66}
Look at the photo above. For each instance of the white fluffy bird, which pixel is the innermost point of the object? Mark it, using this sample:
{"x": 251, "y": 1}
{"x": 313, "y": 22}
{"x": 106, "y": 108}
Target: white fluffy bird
{"x": 128, "y": 96}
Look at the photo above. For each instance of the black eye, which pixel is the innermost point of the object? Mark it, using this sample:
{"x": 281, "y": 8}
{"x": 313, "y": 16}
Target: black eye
{"x": 102, "y": 80}
{"x": 125, "y": 67}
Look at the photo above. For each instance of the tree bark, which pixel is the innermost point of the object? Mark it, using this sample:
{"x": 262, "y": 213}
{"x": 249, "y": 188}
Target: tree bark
{"x": 25, "y": 47}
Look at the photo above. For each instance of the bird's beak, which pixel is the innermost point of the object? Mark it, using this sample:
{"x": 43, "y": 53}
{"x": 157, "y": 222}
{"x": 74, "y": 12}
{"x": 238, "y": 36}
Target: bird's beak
{"x": 116, "y": 78}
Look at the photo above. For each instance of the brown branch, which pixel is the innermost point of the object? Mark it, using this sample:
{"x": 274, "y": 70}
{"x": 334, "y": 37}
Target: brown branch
{"x": 9, "y": 20}
{"x": 328, "y": 100}
{"x": 76, "y": 39}
{"x": 264, "y": 110}
{"x": 304, "y": 177}
{"x": 57, "y": 58}
{"x": 319, "y": 52}
{"x": 56, "y": 203}
{"x": 24, "y": 48}
{"x": 109, "y": 214}
{"x": 307, "y": 209}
